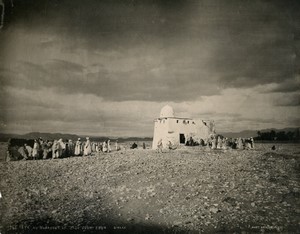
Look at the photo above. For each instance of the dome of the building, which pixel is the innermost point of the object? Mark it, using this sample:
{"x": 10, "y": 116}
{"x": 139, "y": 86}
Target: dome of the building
{"x": 166, "y": 111}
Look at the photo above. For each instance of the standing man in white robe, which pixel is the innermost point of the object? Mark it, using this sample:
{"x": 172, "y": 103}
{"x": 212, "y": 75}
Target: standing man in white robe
{"x": 61, "y": 148}
{"x": 29, "y": 150}
{"x": 87, "y": 147}
{"x": 104, "y": 147}
{"x": 78, "y": 147}
{"x": 55, "y": 147}
{"x": 35, "y": 150}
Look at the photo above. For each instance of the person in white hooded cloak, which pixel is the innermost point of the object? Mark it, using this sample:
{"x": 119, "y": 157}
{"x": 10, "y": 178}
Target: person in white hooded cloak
{"x": 35, "y": 151}
{"x": 55, "y": 147}
{"x": 87, "y": 147}
{"x": 214, "y": 142}
{"x": 78, "y": 147}
{"x": 61, "y": 148}
{"x": 104, "y": 147}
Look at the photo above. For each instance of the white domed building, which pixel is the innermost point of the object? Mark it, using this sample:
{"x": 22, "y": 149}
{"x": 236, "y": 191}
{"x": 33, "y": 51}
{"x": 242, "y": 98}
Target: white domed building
{"x": 167, "y": 112}
{"x": 178, "y": 130}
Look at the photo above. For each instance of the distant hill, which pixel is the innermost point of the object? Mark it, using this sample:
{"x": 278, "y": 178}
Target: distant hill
{"x": 52, "y": 136}
{"x": 35, "y": 135}
{"x": 243, "y": 134}
{"x": 253, "y": 133}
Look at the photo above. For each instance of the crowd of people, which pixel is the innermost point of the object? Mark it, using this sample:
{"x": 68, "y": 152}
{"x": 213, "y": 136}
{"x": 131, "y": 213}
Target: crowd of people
{"x": 220, "y": 142}
{"x": 214, "y": 142}
{"x": 45, "y": 149}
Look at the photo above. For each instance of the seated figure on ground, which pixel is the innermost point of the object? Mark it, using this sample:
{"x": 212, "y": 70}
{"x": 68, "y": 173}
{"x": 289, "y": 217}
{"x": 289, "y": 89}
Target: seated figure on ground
{"x": 273, "y": 147}
{"x": 134, "y": 146}
{"x": 171, "y": 146}
{"x": 248, "y": 144}
{"x": 13, "y": 154}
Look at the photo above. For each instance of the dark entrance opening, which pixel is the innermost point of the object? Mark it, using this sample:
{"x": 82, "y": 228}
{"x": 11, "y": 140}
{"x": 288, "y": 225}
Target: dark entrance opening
{"x": 181, "y": 138}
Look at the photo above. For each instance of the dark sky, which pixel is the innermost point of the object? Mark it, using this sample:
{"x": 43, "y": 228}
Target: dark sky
{"x": 108, "y": 67}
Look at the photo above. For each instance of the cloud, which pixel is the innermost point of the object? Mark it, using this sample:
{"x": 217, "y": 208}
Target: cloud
{"x": 64, "y": 66}
{"x": 148, "y": 51}
{"x": 142, "y": 82}
{"x": 46, "y": 110}
{"x": 295, "y": 121}
{"x": 119, "y": 62}
{"x": 292, "y": 85}
{"x": 288, "y": 100}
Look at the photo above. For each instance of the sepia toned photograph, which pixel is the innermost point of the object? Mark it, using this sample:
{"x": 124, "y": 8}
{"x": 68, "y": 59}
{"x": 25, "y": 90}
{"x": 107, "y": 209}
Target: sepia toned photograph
{"x": 149, "y": 116}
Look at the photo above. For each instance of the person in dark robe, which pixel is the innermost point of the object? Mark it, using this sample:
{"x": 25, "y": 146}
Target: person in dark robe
{"x": 13, "y": 154}
{"x": 273, "y": 147}
{"x": 44, "y": 147}
{"x": 252, "y": 143}
{"x": 67, "y": 152}
{"x": 93, "y": 147}
{"x": 71, "y": 147}
{"x": 23, "y": 152}
{"x": 108, "y": 146}
{"x": 134, "y": 146}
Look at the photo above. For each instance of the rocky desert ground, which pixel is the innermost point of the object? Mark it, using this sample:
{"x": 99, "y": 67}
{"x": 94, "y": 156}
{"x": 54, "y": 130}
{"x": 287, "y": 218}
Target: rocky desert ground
{"x": 188, "y": 190}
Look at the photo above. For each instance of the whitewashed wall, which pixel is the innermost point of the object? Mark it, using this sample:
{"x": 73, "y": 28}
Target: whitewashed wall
{"x": 169, "y": 129}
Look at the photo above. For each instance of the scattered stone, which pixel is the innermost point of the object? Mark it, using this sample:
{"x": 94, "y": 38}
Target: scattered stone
{"x": 213, "y": 210}
{"x": 174, "y": 186}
